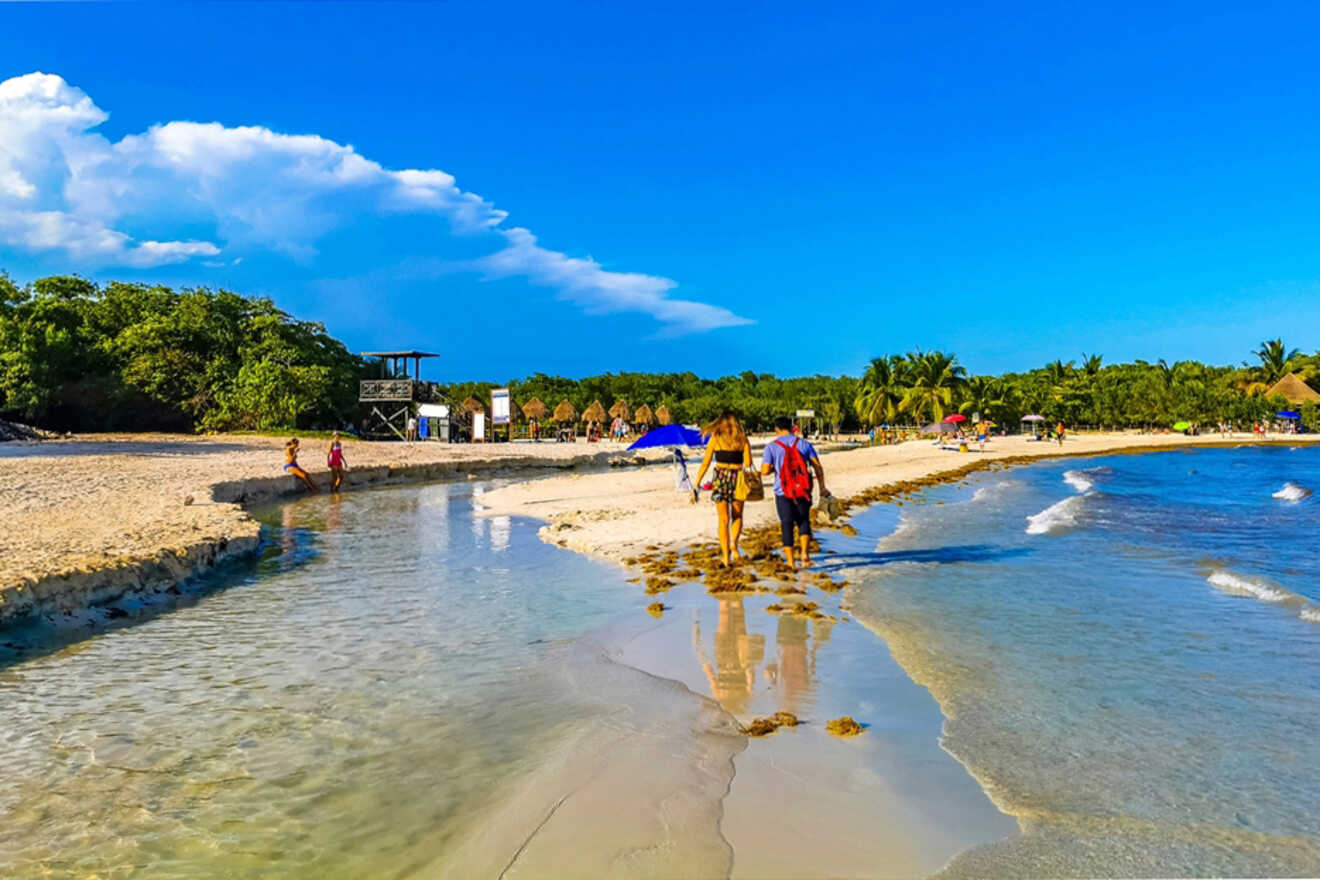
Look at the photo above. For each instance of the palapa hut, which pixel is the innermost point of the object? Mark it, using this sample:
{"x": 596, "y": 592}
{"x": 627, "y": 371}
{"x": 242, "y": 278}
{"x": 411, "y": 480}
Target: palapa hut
{"x": 620, "y": 410}
{"x": 1294, "y": 390}
{"x": 643, "y": 419}
{"x": 535, "y": 410}
{"x": 565, "y": 412}
{"x": 594, "y": 416}
{"x": 662, "y": 415}
{"x": 565, "y": 415}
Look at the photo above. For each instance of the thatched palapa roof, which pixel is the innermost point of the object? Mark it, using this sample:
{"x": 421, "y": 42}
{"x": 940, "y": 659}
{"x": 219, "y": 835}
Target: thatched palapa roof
{"x": 472, "y": 405}
{"x": 662, "y": 415}
{"x": 643, "y": 416}
{"x": 1294, "y": 389}
{"x": 565, "y": 412}
{"x": 620, "y": 410}
{"x": 535, "y": 409}
{"x": 594, "y": 413}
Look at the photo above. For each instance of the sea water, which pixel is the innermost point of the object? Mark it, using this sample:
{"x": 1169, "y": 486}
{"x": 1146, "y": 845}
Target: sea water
{"x": 397, "y": 688}
{"x": 1127, "y": 653}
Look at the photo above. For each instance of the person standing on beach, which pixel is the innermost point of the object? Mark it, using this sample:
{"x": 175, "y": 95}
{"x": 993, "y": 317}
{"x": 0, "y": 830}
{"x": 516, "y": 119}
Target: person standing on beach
{"x": 731, "y": 451}
{"x": 788, "y": 457}
{"x": 335, "y": 460}
{"x": 291, "y": 465}
{"x": 1059, "y": 432}
{"x": 412, "y": 428}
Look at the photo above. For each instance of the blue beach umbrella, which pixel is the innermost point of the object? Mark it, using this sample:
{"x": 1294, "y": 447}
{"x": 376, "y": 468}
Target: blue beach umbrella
{"x": 669, "y": 435}
{"x": 1287, "y": 414}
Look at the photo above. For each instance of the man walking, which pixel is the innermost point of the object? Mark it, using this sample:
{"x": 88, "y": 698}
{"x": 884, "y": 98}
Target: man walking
{"x": 787, "y": 457}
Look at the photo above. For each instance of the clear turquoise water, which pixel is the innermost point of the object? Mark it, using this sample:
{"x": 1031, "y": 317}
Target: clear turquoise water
{"x": 1127, "y": 652}
{"x": 390, "y": 675}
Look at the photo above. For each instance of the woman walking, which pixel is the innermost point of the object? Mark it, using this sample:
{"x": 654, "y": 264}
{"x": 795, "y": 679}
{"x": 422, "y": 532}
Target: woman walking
{"x": 728, "y": 446}
{"x": 335, "y": 460}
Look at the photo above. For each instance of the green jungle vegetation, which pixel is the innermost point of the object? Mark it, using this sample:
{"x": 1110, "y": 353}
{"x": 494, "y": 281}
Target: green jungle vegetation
{"x": 80, "y": 356}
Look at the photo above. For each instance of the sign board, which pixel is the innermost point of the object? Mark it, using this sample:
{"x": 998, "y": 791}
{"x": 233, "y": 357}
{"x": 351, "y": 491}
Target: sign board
{"x": 433, "y": 411}
{"x": 806, "y": 414}
{"x": 499, "y": 406}
{"x": 478, "y": 427}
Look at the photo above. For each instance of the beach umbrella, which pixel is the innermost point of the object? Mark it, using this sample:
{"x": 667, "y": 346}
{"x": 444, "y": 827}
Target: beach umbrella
{"x": 594, "y": 413}
{"x": 1181, "y": 426}
{"x": 1287, "y": 414}
{"x": 939, "y": 428}
{"x": 669, "y": 435}
{"x": 1033, "y": 418}
{"x": 535, "y": 409}
{"x": 954, "y": 418}
{"x": 662, "y": 415}
{"x": 620, "y": 410}
{"x": 565, "y": 412}
{"x": 644, "y": 416}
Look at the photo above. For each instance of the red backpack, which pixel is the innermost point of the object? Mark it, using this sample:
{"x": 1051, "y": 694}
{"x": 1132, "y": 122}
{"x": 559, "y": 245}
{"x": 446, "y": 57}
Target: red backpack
{"x": 793, "y": 477}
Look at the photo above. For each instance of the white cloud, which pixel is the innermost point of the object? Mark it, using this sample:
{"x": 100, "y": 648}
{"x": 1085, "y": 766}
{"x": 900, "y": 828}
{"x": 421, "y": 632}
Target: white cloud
{"x": 66, "y": 189}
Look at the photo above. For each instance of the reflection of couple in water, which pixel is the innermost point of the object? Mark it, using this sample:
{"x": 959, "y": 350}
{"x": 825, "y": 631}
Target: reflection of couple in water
{"x": 738, "y": 654}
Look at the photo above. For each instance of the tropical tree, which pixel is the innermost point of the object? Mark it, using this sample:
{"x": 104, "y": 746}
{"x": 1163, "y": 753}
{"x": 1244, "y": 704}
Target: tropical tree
{"x": 935, "y": 377}
{"x": 1274, "y": 358}
{"x": 880, "y": 391}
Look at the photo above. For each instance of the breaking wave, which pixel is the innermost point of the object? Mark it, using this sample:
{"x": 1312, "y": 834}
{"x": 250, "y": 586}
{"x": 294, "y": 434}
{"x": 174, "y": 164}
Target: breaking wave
{"x": 1256, "y": 588}
{"x": 1084, "y": 480}
{"x": 1292, "y": 492}
{"x": 1057, "y": 518}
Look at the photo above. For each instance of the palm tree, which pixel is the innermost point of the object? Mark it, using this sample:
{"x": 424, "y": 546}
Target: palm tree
{"x": 881, "y": 391}
{"x": 935, "y": 376}
{"x": 1274, "y": 359}
{"x": 1091, "y": 363}
{"x": 984, "y": 395}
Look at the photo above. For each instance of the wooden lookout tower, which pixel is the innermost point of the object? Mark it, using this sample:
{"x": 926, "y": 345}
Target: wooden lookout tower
{"x": 387, "y": 403}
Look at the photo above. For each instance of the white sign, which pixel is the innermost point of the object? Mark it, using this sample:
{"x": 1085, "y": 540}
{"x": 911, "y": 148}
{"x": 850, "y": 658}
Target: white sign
{"x": 478, "y": 427}
{"x": 499, "y": 406}
{"x": 433, "y": 411}
{"x": 806, "y": 414}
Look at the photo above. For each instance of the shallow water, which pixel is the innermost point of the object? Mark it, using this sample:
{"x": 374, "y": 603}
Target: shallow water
{"x": 392, "y": 691}
{"x": 1126, "y": 650}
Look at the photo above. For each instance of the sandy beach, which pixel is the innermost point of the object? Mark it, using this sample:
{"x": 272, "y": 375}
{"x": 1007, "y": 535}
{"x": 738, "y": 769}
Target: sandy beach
{"x": 90, "y": 518}
{"x": 617, "y": 516}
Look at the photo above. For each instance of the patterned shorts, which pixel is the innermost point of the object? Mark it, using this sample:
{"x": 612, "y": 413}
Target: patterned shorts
{"x": 725, "y": 484}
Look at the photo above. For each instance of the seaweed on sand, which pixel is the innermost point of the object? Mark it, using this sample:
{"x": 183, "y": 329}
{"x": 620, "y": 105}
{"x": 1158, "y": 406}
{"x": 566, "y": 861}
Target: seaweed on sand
{"x": 767, "y": 726}
{"x": 656, "y": 609}
{"x": 844, "y": 726}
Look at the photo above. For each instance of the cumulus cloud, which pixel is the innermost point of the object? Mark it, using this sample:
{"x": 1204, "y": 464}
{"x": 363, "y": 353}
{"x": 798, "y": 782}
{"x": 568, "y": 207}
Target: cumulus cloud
{"x": 65, "y": 188}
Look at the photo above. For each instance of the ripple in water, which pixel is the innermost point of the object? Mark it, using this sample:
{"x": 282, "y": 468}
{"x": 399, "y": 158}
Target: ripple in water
{"x": 1292, "y": 492}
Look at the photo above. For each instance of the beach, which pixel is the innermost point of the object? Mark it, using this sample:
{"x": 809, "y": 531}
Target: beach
{"x": 618, "y": 516}
{"x": 616, "y": 720}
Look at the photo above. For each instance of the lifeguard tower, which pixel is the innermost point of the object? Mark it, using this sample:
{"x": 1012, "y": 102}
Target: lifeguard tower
{"x": 387, "y": 403}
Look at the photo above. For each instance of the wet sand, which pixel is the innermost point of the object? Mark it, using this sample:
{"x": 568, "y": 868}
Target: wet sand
{"x": 619, "y": 515}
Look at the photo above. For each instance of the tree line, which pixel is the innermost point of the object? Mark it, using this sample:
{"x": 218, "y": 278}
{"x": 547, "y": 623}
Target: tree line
{"x": 79, "y": 356}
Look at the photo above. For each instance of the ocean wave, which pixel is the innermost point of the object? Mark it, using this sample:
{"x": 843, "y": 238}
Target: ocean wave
{"x": 1256, "y": 588}
{"x": 1058, "y": 517}
{"x": 1292, "y": 492}
{"x": 1084, "y": 480}
{"x": 1311, "y": 614}
{"x": 986, "y": 492}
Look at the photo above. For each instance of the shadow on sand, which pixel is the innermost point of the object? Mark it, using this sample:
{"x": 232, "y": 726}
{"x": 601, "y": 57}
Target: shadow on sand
{"x": 951, "y": 554}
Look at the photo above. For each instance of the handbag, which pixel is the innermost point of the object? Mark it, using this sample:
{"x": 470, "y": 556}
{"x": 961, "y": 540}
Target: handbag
{"x": 749, "y": 486}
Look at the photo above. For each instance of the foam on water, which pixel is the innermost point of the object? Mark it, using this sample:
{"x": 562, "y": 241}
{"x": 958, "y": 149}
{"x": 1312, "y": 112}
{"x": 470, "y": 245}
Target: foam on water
{"x": 1057, "y": 518}
{"x": 1311, "y": 614}
{"x": 1292, "y": 492}
{"x": 1084, "y": 480}
{"x": 1255, "y": 588}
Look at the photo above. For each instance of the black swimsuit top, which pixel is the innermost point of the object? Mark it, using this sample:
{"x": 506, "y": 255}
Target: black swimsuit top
{"x": 729, "y": 456}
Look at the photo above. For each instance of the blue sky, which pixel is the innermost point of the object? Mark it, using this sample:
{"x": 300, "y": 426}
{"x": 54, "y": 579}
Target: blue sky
{"x": 760, "y": 187}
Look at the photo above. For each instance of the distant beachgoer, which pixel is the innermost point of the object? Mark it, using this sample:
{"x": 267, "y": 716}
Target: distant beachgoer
{"x": 1059, "y": 432}
{"x": 982, "y": 434}
{"x": 335, "y": 460}
{"x": 412, "y": 428}
{"x": 291, "y": 465}
{"x": 731, "y": 451}
{"x": 788, "y": 457}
